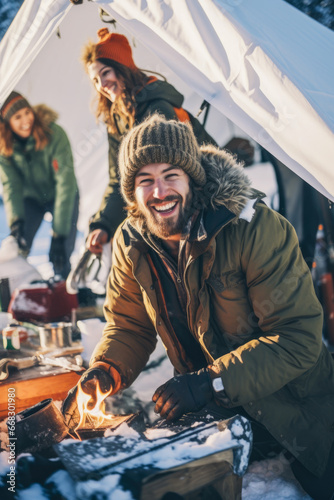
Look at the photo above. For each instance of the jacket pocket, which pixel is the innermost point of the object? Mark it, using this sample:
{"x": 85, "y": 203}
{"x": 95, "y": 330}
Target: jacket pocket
{"x": 228, "y": 280}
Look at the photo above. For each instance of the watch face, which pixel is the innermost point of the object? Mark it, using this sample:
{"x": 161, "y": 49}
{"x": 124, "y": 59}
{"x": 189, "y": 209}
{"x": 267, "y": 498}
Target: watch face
{"x": 217, "y": 384}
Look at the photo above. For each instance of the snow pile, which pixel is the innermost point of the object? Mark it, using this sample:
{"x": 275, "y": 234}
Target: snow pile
{"x": 15, "y": 267}
{"x": 271, "y": 479}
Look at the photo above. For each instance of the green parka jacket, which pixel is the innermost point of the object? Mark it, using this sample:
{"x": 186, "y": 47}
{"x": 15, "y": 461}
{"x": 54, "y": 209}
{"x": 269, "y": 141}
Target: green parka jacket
{"x": 45, "y": 176}
{"x": 156, "y": 97}
{"x": 251, "y": 306}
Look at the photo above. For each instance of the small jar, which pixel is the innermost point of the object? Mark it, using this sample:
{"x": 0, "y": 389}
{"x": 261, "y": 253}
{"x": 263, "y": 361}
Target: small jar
{"x": 12, "y": 337}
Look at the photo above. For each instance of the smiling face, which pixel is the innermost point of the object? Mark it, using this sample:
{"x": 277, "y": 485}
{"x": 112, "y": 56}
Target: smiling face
{"x": 163, "y": 195}
{"x": 105, "y": 80}
{"x": 22, "y": 122}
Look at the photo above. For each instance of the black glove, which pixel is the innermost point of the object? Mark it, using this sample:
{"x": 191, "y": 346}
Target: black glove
{"x": 17, "y": 230}
{"x": 182, "y": 394}
{"x": 88, "y": 383}
{"x": 57, "y": 254}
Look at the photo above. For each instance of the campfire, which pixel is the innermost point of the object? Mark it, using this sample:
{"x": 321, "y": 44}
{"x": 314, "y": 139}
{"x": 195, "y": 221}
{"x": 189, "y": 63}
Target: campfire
{"x": 41, "y": 426}
{"x": 92, "y": 410}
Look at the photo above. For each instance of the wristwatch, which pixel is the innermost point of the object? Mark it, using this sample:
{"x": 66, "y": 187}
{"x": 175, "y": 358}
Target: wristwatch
{"x": 217, "y": 384}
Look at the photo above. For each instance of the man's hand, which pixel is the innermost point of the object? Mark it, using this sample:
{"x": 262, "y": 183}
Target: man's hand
{"x": 183, "y": 394}
{"x": 57, "y": 254}
{"x": 96, "y": 239}
{"x": 89, "y": 381}
{"x": 17, "y": 230}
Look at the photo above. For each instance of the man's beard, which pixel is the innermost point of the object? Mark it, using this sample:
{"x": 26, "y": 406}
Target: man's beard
{"x": 163, "y": 228}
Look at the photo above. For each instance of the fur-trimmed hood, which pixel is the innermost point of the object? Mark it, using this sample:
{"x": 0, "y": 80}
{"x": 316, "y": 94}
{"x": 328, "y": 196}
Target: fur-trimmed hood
{"x": 45, "y": 114}
{"x": 227, "y": 182}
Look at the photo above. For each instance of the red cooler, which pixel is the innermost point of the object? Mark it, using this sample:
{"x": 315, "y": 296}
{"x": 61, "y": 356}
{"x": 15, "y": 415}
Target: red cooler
{"x": 43, "y": 302}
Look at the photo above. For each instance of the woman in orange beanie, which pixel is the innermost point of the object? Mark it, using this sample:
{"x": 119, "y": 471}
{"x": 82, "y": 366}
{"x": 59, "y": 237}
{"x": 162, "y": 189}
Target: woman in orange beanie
{"x": 126, "y": 96}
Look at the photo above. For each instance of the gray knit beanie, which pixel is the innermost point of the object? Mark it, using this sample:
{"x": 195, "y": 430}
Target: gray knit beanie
{"x": 157, "y": 140}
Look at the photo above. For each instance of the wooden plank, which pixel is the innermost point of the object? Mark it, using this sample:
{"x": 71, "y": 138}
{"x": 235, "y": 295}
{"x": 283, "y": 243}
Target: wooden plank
{"x": 34, "y": 385}
{"x": 193, "y": 477}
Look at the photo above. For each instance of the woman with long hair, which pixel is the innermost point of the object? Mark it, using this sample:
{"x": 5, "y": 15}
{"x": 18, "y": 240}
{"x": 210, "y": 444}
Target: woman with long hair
{"x": 126, "y": 96}
{"x": 37, "y": 174}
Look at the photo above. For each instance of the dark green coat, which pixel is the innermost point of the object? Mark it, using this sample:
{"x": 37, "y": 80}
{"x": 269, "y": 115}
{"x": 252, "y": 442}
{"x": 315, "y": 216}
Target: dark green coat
{"x": 252, "y": 308}
{"x": 156, "y": 97}
{"x": 45, "y": 176}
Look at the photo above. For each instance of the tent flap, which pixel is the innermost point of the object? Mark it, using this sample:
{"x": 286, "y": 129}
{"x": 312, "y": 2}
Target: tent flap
{"x": 270, "y": 78}
{"x": 264, "y": 65}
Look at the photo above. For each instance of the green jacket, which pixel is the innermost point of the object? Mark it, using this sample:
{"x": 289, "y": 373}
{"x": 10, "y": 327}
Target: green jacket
{"x": 156, "y": 97}
{"x": 45, "y": 176}
{"x": 252, "y": 308}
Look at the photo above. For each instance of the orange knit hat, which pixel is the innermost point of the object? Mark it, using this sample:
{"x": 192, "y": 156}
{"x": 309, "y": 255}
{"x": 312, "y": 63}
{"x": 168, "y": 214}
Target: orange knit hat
{"x": 115, "y": 47}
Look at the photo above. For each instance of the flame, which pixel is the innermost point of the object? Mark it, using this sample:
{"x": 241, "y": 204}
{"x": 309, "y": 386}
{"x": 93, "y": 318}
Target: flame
{"x": 91, "y": 408}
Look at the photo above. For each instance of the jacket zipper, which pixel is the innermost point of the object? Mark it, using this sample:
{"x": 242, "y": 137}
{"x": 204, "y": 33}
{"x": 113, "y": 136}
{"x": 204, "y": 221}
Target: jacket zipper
{"x": 188, "y": 264}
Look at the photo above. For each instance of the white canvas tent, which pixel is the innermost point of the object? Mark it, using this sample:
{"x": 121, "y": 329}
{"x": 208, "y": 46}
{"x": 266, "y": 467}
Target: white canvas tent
{"x": 262, "y": 65}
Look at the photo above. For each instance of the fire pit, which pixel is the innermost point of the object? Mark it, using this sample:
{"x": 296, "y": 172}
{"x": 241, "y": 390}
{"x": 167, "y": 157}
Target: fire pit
{"x": 41, "y": 426}
{"x": 134, "y": 420}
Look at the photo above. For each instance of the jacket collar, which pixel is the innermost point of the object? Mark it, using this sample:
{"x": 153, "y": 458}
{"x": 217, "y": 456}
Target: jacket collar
{"x": 204, "y": 227}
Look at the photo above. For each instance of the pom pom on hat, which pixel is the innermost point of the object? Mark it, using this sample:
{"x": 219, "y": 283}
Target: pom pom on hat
{"x": 115, "y": 47}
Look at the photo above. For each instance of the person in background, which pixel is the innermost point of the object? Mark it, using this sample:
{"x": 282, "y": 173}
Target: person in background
{"x": 300, "y": 203}
{"x": 202, "y": 262}
{"x": 126, "y": 96}
{"x": 37, "y": 174}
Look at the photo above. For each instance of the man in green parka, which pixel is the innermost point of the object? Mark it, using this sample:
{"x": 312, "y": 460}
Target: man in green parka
{"x": 202, "y": 262}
